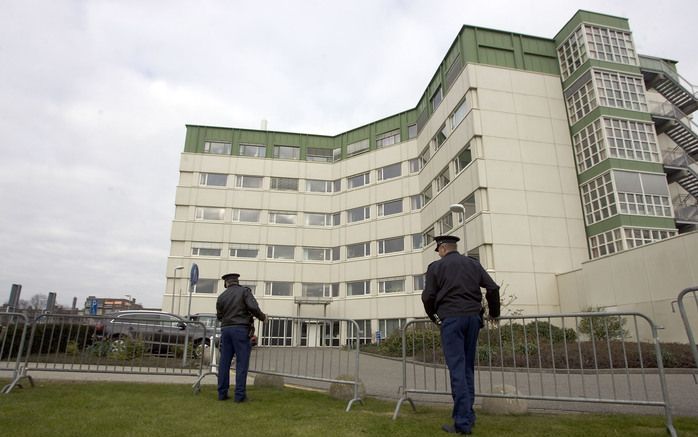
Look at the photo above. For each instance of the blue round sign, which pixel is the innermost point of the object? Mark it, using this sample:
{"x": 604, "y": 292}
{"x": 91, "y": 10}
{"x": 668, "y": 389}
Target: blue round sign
{"x": 194, "y": 274}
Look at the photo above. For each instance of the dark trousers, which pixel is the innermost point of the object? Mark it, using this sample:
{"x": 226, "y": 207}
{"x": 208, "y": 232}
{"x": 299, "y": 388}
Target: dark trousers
{"x": 234, "y": 341}
{"x": 459, "y": 342}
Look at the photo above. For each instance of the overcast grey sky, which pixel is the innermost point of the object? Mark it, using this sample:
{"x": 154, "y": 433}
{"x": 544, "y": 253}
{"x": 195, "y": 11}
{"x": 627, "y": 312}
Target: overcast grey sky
{"x": 95, "y": 95}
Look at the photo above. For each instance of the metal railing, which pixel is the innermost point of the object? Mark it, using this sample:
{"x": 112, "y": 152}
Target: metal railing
{"x": 692, "y": 291}
{"x": 152, "y": 344}
{"x": 13, "y": 334}
{"x": 659, "y": 65}
{"x": 578, "y": 357}
{"x": 319, "y": 349}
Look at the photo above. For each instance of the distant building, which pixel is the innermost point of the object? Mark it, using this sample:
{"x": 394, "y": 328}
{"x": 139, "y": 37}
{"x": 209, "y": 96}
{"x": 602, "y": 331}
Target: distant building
{"x": 104, "y": 305}
{"x": 559, "y": 151}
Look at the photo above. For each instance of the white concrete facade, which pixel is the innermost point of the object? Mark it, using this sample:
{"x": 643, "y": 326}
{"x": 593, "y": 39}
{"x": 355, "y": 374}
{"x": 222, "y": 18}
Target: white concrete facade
{"x": 527, "y": 228}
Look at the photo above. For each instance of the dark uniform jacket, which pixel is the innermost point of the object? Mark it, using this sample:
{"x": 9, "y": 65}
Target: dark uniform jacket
{"x": 236, "y": 306}
{"x": 452, "y": 288}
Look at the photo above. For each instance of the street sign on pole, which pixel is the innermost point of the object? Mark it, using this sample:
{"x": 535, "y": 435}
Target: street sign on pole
{"x": 93, "y": 307}
{"x": 194, "y": 275}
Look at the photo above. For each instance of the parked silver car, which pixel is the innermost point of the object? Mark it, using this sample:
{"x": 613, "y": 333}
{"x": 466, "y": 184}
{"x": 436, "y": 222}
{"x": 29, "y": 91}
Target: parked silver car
{"x": 161, "y": 333}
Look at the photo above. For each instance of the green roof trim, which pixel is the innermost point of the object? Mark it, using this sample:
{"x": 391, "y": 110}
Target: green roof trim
{"x": 634, "y": 221}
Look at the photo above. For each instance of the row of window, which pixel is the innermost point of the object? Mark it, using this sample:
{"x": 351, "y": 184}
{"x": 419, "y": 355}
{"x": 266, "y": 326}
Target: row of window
{"x": 607, "y": 88}
{"x": 284, "y": 332}
{"x": 624, "y": 238}
{"x": 594, "y": 42}
{"x": 323, "y": 290}
{"x": 625, "y": 192}
{"x": 610, "y": 137}
{"x": 319, "y": 154}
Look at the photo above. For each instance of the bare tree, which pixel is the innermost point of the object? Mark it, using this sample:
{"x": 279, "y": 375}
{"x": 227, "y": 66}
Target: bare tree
{"x": 38, "y": 301}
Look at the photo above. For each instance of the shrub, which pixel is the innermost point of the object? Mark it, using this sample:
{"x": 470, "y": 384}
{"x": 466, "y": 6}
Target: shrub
{"x": 602, "y": 327}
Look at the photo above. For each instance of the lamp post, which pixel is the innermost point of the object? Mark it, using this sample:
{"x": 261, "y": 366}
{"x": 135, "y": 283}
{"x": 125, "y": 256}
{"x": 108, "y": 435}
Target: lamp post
{"x": 174, "y": 280}
{"x": 457, "y": 207}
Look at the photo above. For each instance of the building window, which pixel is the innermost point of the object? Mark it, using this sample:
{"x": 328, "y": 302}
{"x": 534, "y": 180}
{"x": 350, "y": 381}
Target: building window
{"x": 390, "y": 171}
{"x": 203, "y": 213}
{"x": 463, "y": 158}
{"x": 282, "y": 217}
{"x": 440, "y": 137}
{"x": 417, "y": 241}
{"x": 358, "y": 288}
{"x": 358, "y": 214}
{"x": 459, "y": 114}
{"x": 427, "y": 195}
{"x": 246, "y": 215}
{"x": 322, "y": 219}
{"x": 359, "y": 250}
{"x": 213, "y": 179}
{"x": 320, "y": 290}
{"x": 364, "y": 335}
{"x": 470, "y": 208}
{"x": 428, "y": 236}
{"x": 217, "y": 148}
{"x": 320, "y": 186}
{"x": 205, "y": 249}
{"x": 631, "y": 140}
{"x": 336, "y": 154}
{"x": 635, "y": 237}
{"x": 391, "y": 285}
{"x": 246, "y": 181}
{"x": 412, "y": 131}
{"x": 589, "y": 146}
{"x": 598, "y": 199}
{"x": 388, "y": 138}
{"x": 318, "y": 154}
{"x": 390, "y": 207}
{"x": 416, "y": 202}
{"x": 277, "y": 332}
{"x": 389, "y": 327}
{"x": 252, "y": 285}
{"x": 446, "y": 223}
{"x": 642, "y": 193}
{"x": 436, "y": 99}
{"x": 581, "y": 102}
{"x": 620, "y": 90}
{"x": 207, "y": 286}
{"x": 284, "y": 184}
{"x": 391, "y": 245}
{"x": 278, "y": 288}
{"x": 358, "y": 180}
{"x": 358, "y": 147}
{"x": 318, "y": 253}
{"x": 610, "y": 45}
{"x": 572, "y": 53}
{"x": 442, "y": 179}
{"x": 253, "y": 150}
{"x": 415, "y": 165}
{"x": 424, "y": 157}
{"x": 280, "y": 252}
{"x": 287, "y": 152}
{"x": 244, "y": 250}
{"x": 418, "y": 282}
{"x": 606, "y": 243}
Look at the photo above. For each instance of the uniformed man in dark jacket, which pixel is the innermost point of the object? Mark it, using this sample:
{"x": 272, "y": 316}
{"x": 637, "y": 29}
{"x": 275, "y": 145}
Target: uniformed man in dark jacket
{"x": 452, "y": 297}
{"x": 234, "y": 310}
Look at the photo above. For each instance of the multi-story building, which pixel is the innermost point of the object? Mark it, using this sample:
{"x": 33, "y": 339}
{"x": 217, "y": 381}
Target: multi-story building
{"x": 541, "y": 154}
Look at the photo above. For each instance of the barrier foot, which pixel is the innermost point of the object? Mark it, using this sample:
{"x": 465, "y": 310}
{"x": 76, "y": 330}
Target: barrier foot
{"x": 197, "y": 385}
{"x": 15, "y": 381}
{"x": 351, "y": 402}
{"x": 399, "y": 404}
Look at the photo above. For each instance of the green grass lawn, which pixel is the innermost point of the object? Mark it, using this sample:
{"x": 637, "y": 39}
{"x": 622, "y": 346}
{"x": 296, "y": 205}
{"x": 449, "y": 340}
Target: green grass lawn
{"x": 152, "y": 410}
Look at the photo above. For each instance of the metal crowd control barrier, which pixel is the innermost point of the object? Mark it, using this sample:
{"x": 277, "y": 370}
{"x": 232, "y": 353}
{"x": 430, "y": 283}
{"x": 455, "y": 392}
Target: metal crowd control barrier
{"x": 149, "y": 343}
{"x": 13, "y": 333}
{"x": 317, "y": 349}
{"x": 581, "y": 357}
{"x": 686, "y": 322}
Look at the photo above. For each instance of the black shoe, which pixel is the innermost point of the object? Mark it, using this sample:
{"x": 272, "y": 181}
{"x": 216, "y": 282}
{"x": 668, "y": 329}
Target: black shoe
{"x": 238, "y": 401}
{"x": 223, "y": 398}
{"x": 451, "y": 429}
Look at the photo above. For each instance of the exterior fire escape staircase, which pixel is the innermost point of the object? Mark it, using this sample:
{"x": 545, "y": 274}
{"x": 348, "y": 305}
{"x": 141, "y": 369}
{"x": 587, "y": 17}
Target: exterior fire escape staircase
{"x": 671, "y": 118}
